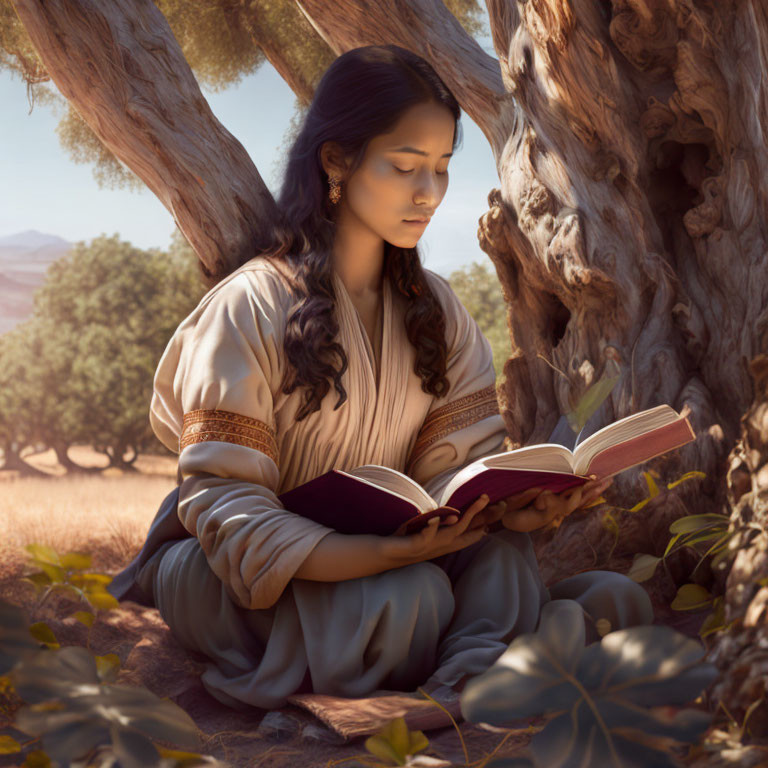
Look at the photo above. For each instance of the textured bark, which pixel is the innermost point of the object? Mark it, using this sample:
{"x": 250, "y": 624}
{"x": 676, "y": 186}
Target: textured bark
{"x": 252, "y": 17}
{"x": 120, "y": 66}
{"x": 630, "y": 220}
{"x": 629, "y": 226}
{"x": 742, "y": 650}
{"x": 429, "y": 29}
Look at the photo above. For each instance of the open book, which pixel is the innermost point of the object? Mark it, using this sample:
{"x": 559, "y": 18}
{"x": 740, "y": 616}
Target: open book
{"x": 380, "y": 500}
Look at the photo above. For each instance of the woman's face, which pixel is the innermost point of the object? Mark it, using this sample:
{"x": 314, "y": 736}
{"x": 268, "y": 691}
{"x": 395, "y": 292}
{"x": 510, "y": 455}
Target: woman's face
{"x": 403, "y": 176}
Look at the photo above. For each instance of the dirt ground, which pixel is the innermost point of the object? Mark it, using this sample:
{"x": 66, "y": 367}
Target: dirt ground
{"x": 107, "y": 516}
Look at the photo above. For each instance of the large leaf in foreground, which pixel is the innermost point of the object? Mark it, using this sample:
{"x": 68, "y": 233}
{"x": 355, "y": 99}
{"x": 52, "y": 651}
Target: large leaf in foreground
{"x": 15, "y": 641}
{"x": 73, "y": 711}
{"x": 610, "y": 700}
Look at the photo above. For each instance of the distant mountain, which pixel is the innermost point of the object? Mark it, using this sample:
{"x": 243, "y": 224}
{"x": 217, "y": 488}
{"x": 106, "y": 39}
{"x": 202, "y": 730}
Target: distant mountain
{"x": 33, "y": 239}
{"x": 24, "y": 260}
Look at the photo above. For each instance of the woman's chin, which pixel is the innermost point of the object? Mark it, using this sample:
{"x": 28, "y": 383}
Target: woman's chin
{"x": 406, "y": 241}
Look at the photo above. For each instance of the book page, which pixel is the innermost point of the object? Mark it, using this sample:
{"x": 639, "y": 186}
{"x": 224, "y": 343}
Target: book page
{"x": 621, "y": 431}
{"x": 547, "y": 457}
{"x": 396, "y": 482}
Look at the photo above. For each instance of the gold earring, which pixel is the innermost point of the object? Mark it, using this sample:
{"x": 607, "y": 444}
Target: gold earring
{"x": 334, "y": 194}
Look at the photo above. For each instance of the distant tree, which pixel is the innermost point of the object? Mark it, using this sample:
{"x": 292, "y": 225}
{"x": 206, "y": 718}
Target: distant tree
{"x": 88, "y": 354}
{"x": 21, "y": 398}
{"x": 478, "y": 288}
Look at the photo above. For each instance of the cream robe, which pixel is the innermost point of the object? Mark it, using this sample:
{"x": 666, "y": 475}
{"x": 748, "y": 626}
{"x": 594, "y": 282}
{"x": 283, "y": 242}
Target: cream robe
{"x": 217, "y": 400}
{"x": 227, "y": 590}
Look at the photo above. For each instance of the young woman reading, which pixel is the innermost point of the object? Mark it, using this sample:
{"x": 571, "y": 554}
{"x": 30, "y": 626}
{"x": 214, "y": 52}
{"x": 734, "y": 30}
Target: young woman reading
{"x": 336, "y": 349}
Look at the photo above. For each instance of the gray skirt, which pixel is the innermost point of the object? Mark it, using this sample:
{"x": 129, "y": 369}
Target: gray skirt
{"x": 437, "y": 620}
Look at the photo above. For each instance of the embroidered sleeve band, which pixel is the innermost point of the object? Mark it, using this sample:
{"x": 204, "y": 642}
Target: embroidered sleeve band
{"x": 462, "y": 412}
{"x": 227, "y": 427}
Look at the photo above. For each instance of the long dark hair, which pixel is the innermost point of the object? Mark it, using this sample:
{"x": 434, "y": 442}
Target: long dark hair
{"x": 361, "y": 95}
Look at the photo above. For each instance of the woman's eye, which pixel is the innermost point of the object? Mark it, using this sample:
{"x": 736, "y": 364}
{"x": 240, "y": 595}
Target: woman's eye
{"x": 401, "y": 170}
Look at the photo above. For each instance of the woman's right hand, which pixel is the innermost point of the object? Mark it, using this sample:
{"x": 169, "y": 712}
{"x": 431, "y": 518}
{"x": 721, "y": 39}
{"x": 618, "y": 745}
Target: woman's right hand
{"x": 434, "y": 539}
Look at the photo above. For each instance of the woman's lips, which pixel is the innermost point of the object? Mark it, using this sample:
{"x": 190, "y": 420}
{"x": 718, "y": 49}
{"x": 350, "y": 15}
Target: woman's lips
{"x": 416, "y": 222}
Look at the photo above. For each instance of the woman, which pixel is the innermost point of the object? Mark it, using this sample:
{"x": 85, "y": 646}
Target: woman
{"x": 278, "y": 603}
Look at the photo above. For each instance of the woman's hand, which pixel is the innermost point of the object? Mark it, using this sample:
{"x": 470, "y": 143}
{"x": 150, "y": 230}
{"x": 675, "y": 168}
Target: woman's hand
{"x": 534, "y": 509}
{"x": 434, "y": 539}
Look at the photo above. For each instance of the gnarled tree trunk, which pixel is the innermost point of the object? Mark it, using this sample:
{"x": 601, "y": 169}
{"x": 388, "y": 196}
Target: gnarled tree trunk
{"x": 630, "y": 220}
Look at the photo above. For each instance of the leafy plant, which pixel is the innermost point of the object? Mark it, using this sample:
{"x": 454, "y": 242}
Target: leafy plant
{"x": 611, "y": 703}
{"x": 395, "y": 744}
{"x": 76, "y": 713}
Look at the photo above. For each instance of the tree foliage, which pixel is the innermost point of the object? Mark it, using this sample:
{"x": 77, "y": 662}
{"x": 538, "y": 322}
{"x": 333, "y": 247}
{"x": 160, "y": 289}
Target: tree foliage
{"x": 477, "y": 286}
{"x": 81, "y": 369}
{"x": 222, "y": 42}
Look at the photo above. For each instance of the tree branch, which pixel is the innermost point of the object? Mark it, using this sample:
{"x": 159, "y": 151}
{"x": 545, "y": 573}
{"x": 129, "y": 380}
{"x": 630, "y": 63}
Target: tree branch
{"x": 427, "y": 28}
{"x": 121, "y": 67}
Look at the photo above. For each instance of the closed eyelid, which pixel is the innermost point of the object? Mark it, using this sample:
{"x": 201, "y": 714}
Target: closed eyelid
{"x": 410, "y": 170}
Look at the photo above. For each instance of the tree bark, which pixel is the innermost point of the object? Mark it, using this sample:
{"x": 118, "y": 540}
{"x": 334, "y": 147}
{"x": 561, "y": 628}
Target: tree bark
{"x": 741, "y": 651}
{"x": 121, "y": 67}
{"x": 62, "y": 456}
{"x": 425, "y": 27}
{"x": 265, "y": 38}
{"x": 12, "y": 462}
{"x": 630, "y": 219}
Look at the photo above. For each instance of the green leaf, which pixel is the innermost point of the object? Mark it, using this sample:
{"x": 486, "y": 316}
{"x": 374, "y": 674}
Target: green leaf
{"x": 16, "y": 644}
{"x": 90, "y": 580}
{"x": 55, "y": 572}
{"x": 527, "y": 679}
{"x": 39, "y": 580}
{"x": 719, "y": 533}
{"x": 42, "y": 632}
{"x": 690, "y": 597}
{"x": 8, "y": 745}
{"x": 36, "y": 759}
{"x": 133, "y": 750}
{"x": 380, "y": 747}
{"x": 716, "y": 620}
{"x": 108, "y": 667}
{"x": 643, "y": 567}
{"x": 84, "y": 617}
{"x": 671, "y": 544}
{"x": 55, "y": 675}
{"x": 591, "y": 400}
{"x": 691, "y": 523}
{"x": 43, "y": 553}
{"x": 687, "y": 476}
{"x": 102, "y": 600}
{"x": 609, "y": 523}
{"x": 76, "y": 561}
{"x": 653, "y": 489}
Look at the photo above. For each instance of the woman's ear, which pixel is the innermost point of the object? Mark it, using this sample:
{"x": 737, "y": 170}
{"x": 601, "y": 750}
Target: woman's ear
{"x": 332, "y": 159}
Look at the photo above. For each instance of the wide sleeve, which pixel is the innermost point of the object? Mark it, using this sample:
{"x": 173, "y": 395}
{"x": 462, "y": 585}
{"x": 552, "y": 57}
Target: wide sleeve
{"x": 213, "y": 403}
{"x": 466, "y": 424}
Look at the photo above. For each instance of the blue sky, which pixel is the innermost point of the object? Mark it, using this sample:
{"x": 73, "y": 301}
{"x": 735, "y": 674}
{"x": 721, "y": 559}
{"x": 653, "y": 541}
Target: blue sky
{"x": 42, "y": 188}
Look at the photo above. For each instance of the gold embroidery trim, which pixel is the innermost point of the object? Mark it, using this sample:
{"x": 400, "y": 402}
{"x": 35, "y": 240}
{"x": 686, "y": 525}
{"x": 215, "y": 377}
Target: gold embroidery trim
{"x": 462, "y": 412}
{"x": 227, "y": 427}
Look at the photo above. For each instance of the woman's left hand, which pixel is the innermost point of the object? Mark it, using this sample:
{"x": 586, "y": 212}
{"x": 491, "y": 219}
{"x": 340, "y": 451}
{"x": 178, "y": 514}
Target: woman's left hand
{"x": 549, "y": 509}
{"x": 535, "y": 508}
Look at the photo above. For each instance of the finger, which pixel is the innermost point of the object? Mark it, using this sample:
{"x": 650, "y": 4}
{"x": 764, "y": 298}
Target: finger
{"x": 472, "y": 510}
{"x": 451, "y": 519}
{"x": 575, "y": 501}
{"x": 427, "y": 533}
{"x": 478, "y": 503}
{"x": 520, "y": 500}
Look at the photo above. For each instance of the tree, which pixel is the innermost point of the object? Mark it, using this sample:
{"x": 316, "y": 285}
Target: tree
{"x": 628, "y": 226}
{"x": 478, "y": 288}
{"x": 80, "y": 370}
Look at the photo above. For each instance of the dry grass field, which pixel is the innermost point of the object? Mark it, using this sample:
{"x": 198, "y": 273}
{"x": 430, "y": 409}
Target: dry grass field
{"x": 107, "y": 514}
